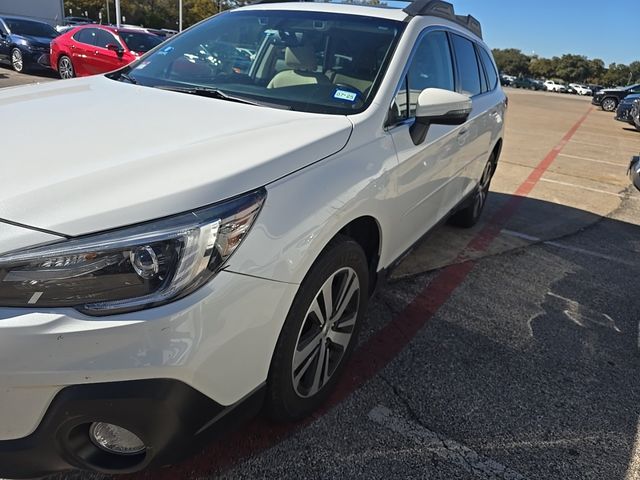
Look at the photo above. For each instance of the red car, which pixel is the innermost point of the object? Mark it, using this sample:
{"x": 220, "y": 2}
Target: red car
{"x": 93, "y": 49}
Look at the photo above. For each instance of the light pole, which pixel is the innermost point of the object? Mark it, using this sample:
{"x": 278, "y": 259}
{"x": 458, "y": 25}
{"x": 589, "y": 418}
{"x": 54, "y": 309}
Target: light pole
{"x": 118, "y": 13}
{"x": 180, "y": 15}
{"x": 108, "y": 13}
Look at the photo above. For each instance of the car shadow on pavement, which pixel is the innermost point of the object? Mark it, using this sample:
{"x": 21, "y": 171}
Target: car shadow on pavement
{"x": 533, "y": 362}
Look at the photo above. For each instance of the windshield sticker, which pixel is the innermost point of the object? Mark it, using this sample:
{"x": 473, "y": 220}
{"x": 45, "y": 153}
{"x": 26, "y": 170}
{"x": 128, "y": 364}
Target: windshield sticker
{"x": 165, "y": 50}
{"x": 345, "y": 95}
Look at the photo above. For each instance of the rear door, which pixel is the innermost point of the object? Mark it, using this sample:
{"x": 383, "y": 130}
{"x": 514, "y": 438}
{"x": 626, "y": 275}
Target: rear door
{"x": 475, "y": 136}
{"x": 426, "y": 176}
{"x": 82, "y": 51}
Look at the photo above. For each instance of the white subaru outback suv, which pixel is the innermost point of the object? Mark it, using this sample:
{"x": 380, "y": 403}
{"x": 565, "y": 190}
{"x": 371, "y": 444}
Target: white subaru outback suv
{"x": 201, "y": 238}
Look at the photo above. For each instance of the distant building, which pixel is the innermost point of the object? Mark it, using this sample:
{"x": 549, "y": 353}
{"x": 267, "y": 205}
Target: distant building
{"x": 50, "y": 11}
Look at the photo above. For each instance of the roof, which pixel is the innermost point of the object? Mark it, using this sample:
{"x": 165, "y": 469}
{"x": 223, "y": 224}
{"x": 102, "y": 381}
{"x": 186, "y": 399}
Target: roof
{"x": 349, "y": 9}
{"x": 17, "y": 17}
{"x": 425, "y": 8}
{"x": 113, "y": 28}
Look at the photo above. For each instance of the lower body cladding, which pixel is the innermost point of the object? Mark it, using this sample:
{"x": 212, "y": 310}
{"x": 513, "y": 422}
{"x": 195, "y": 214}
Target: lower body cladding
{"x": 171, "y": 375}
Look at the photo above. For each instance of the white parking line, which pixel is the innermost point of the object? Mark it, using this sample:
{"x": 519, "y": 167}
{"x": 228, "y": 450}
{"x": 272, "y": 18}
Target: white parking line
{"x": 448, "y": 450}
{"x": 601, "y": 145}
{"x": 563, "y": 246}
{"x": 566, "y": 184}
{"x": 594, "y": 160}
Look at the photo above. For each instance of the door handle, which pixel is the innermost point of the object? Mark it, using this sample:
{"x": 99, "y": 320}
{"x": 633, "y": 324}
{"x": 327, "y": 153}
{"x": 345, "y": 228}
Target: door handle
{"x": 463, "y": 132}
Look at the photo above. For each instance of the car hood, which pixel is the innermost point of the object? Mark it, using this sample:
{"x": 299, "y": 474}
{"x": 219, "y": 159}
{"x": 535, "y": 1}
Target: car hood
{"x": 629, "y": 99}
{"x": 93, "y": 154}
{"x": 35, "y": 41}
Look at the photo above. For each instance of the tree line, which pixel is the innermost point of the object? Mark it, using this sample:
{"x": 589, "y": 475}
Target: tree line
{"x": 568, "y": 68}
{"x": 150, "y": 13}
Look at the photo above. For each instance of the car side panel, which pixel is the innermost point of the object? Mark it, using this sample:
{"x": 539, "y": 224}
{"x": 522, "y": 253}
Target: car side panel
{"x": 303, "y": 211}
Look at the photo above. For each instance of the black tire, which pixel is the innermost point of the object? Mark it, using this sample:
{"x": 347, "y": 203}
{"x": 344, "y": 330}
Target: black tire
{"x": 609, "y": 104}
{"x": 468, "y": 216}
{"x": 17, "y": 61}
{"x": 66, "y": 69}
{"x": 284, "y": 402}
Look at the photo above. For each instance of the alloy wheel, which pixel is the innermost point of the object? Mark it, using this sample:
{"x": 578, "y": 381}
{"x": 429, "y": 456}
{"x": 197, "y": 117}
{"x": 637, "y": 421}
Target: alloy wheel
{"x": 65, "y": 68}
{"x": 17, "y": 61}
{"x": 326, "y": 332}
{"x": 483, "y": 189}
{"x": 609, "y": 105}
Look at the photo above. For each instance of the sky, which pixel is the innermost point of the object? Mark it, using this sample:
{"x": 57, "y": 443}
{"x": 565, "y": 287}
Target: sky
{"x": 608, "y": 29}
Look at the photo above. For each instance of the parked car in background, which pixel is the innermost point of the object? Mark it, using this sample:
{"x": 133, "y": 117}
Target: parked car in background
{"x": 594, "y": 88}
{"x": 75, "y": 21}
{"x": 570, "y": 90}
{"x": 608, "y": 99}
{"x": 162, "y": 32}
{"x": 552, "y": 86}
{"x": 93, "y": 49}
{"x": 581, "y": 89}
{"x": 635, "y": 114}
{"x": 25, "y": 43}
{"x": 623, "y": 112}
{"x": 528, "y": 83}
{"x": 161, "y": 280}
{"x": 505, "y": 81}
{"x": 634, "y": 172}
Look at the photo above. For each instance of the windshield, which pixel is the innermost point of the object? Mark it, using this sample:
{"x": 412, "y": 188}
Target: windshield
{"x": 34, "y": 29}
{"x": 139, "y": 41}
{"x": 306, "y": 61}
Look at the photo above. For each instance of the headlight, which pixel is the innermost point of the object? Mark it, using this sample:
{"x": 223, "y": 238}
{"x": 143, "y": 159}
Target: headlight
{"x": 132, "y": 268}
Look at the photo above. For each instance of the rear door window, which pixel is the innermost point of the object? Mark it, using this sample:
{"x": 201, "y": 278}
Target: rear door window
{"x": 489, "y": 68}
{"x": 468, "y": 68}
{"x": 86, "y": 35}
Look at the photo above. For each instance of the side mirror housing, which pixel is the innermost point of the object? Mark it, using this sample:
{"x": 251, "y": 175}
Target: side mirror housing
{"x": 115, "y": 48}
{"x": 441, "y": 107}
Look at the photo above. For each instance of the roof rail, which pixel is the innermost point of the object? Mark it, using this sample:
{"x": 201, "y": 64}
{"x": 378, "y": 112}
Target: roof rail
{"x": 438, "y": 8}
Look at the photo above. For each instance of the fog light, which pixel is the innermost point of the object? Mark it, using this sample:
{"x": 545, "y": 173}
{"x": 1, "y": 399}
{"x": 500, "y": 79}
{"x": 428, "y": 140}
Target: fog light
{"x": 115, "y": 439}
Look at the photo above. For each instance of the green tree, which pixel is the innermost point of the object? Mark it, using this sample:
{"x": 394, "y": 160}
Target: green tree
{"x": 573, "y": 68}
{"x": 197, "y": 10}
{"x": 597, "y": 70}
{"x": 511, "y": 61}
{"x": 617, "y": 74}
{"x": 543, "y": 67}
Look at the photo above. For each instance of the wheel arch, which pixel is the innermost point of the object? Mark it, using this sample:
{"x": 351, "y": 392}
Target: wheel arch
{"x": 365, "y": 231}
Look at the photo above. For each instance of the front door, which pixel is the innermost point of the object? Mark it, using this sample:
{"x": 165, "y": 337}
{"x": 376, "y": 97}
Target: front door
{"x": 428, "y": 175}
{"x": 105, "y": 60}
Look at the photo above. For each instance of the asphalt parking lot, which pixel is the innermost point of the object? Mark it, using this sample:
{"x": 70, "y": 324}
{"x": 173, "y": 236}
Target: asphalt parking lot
{"x": 509, "y": 351}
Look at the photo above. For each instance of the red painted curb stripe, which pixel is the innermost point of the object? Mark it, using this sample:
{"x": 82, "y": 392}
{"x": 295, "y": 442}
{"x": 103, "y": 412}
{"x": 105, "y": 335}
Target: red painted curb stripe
{"x": 374, "y": 354}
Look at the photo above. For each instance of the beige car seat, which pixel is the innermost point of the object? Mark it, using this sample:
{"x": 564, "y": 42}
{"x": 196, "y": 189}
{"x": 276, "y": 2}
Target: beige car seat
{"x": 302, "y": 65}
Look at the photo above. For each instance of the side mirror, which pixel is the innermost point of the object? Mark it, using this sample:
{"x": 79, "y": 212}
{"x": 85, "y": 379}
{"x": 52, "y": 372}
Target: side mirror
{"x": 115, "y": 48}
{"x": 442, "y": 107}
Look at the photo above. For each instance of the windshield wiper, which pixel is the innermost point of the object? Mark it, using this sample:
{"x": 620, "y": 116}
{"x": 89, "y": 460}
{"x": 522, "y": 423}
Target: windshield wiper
{"x": 218, "y": 94}
{"x": 125, "y": 76}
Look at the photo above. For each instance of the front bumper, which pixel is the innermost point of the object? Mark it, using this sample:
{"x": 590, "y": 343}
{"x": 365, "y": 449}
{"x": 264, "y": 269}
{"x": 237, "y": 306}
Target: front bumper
{"x": 217, "y": 341}
{"x": 37, "y": 58}
{"x": 596, "y": 101}
{"x": 623, "y": 113}
{"x": 167, "y": 415}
